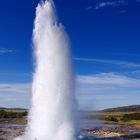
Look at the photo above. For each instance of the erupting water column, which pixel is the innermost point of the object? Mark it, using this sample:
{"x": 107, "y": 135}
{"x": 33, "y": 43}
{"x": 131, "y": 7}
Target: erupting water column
{"x": 53, "y": 103}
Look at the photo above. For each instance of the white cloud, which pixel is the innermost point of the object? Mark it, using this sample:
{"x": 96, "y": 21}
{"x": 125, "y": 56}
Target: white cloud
{"x": 107, "y": 61}
{"x": 106, "y": 4}
{"x": 116, "y": 3}
{"x": 89, "y": 8}
{"x": 137, "y": 0}
{"x": 15, "y": 95}
{"x": 5, "y": 50}
{"x": 109, "y": 79}
{"x": 14, "y": 87}
{"x": 136, "y": 72}
{"x": 101, "y": 90}
{"x": 13, "y": 74}
{"x": 107, "y": 90}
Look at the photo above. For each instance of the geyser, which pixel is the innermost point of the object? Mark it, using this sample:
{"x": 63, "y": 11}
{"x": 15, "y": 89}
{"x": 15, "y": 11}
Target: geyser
{"x": 52, "y": 115}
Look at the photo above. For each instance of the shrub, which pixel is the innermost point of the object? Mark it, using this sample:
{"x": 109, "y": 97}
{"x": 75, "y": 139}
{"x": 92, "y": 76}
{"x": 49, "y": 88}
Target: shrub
{"x": 133, "y": 116}
{"x": 7, "y": 115}
{"x": 111, "y": 118}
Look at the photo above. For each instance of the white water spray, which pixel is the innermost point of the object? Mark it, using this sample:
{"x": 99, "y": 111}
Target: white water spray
{"x": 53, "y": 103}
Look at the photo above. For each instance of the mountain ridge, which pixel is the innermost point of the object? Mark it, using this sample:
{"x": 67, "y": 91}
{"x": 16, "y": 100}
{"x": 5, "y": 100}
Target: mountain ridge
{"x": 130, "y": 108}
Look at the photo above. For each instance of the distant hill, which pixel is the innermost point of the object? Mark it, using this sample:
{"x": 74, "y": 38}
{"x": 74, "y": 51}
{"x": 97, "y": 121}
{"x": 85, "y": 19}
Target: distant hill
{"x": 132, "y": 108}
{"x": 2, "y": 108}
{"x": 13, "y": 109}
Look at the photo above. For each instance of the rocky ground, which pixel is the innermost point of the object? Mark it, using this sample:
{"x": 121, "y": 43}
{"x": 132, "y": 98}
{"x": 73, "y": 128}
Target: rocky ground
{"x": 10, "y": 133}
{"x": 115, "y": 133}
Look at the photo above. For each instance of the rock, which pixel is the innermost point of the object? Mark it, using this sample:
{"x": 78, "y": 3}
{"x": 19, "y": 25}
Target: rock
{"x": 10, "y": 133}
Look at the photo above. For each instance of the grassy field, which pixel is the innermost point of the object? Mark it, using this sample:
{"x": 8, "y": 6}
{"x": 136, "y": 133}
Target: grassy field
{"x": 124, "y": 115}
{"x": 130, "y": 119}
{"x": 120, "y": 117}
{"x": 15, "y": 110}
{"x": 13, "y": 116}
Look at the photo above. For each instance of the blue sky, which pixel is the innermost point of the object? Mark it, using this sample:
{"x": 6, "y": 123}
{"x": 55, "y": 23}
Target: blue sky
{"x": 105, "y": 42}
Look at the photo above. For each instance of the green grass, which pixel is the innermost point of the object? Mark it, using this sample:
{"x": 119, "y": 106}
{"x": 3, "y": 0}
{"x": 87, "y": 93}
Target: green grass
{"x": 15, "y": 110}
{"x": 12, "y": 113}
{"x": 130, "y": 118}
{"x": 116, "y": 117}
